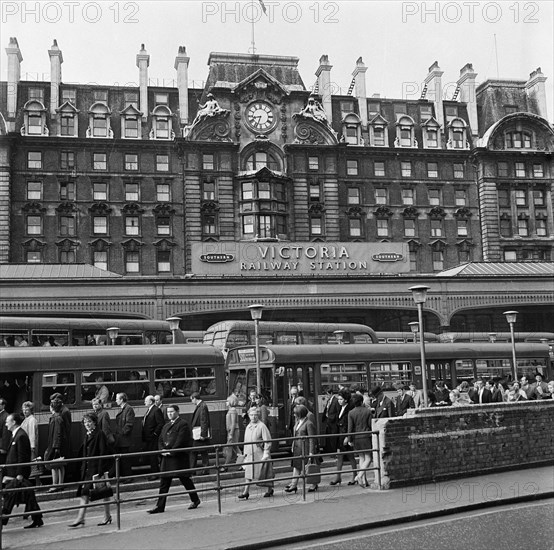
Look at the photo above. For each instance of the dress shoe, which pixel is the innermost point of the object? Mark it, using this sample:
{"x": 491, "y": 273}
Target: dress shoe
{"x": 336, "y": 482}
{"x": 353, "y": 482}
{"x": 313, "y": 489}
{"x": 107, "y": 521}
{"x": 268, "y": 493}
{"x": 194, "y": 505}
{"x": 36, "y": 523}
{"x": 291, "y": 489}
{"x": 80, "y": 523}
{"x": 156, "y": 511}
{"x": 244, "y": 496}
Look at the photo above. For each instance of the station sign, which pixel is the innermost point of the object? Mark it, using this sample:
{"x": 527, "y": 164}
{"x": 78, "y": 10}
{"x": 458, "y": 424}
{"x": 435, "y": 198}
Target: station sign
{"x": 299, "y": 258}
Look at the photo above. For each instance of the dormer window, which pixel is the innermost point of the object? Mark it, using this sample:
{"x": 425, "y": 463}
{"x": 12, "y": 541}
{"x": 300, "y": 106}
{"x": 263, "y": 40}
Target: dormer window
{"x": 352, "y": 129}
{"x": 405, "y": 132}
{"x": 457, "y": 135}
{"x": 378, "y": 132}
{"x": 130, "y": 123}
{"x": 431, "y": 133}
{"x": 131, "y": 127}
{"x": 69, "y": 95}
{"x": 518, "y": 140}
{"x": 69, "y": 122}
{"x": 162, "y": 123}
{"x": 34, "y": 119}
{"x": 99, "y": 122}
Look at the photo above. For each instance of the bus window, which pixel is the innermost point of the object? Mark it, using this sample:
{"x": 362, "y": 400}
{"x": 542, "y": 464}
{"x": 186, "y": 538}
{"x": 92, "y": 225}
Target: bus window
{"x": 97, "y": 384}
{"x": 361, "y": 338}
{"x": 63, "y": 383}
{"x": 237, "y": 381}
{"x": 387, "y": 374}
{"x": 184, "y": 382}
{"x": 13, "y": 339}
{"x": 487, "y": 369}
{"x": 464, "y": 371}
{"x": 129, "y": 340}
{"x": 287, "y": 338}
{"x": 16, "y": 389}
{"x": 49, "y": 339}
{"x": 237, "y": 338}
{"x": 346, "y": 375}
{"x": 133, "y": 383}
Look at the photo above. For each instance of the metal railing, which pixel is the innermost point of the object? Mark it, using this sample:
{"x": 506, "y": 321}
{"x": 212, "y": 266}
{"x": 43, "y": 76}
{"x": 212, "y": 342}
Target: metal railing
{"x": 218, "y": 486}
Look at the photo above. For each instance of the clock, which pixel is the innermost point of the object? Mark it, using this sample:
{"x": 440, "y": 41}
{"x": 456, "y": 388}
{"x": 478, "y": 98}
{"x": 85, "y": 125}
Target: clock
{"x": 260, "y": 116}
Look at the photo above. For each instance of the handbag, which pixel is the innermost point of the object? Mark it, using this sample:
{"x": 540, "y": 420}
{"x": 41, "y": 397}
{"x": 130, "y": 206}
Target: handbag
{"x": 266, "y": 474}
{"x": 240, "y": 459}
{"x": 197, "y": 433}
{"x": 101, "y": 488}
{"x": 313, "y": 473}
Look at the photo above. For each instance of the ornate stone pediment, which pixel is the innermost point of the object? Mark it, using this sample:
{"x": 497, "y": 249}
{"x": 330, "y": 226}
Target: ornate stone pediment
{"x": 132, "y": 208}
{"x": 132, "y": 245}
{"x": 67, "y": 244}
{"x": 67, "y": 208}
{"x": 462, "y": 213}
{"x": 410, "y": 212}
{"x": 383, "y": 212}
{"x": 209, "y": 207}
{"x": 355, "y": 212}
{"x": 311, "y": 132}
{"x": 437, "y": 212}
{"x": 210, "y": 124}
{"x": 100, "y": 208}
{"x": 316, "y": 208}
{"x": 33, "y": 208}
{"x": 164, "y": 244}
{"x": 260, "y": 85}
{"x": 163, "y": 210}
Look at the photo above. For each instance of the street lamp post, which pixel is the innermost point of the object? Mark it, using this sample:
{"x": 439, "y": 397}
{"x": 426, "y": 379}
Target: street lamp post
{"x": 113, "y": 332}
{"x": 173, "y": 327}
{"x": 511, "y": 317}
{"x": 414, "y": 327}
{"x": 256, "y": 313}
{"x": 419, "y": 294}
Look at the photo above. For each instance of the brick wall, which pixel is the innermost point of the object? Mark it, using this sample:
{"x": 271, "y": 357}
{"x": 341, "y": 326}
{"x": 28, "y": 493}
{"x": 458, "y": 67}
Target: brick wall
{"x": 435, "y": 444}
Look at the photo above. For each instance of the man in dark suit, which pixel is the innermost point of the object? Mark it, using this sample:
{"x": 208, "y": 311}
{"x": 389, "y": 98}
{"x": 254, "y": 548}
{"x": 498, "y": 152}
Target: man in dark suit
{"x": 20, "y": 451}
{"x": 293, "y": 394}
{"x": 124, "y": 422}
{"x": 539, "y": 389}
{"x": 200, "y": 421}
{"x": 152, "y": 424}
{"x": 5, "y": 434}
{"x": 404, "y": 401}
{"x": 158, "y": 400}
{"x": 480, "y": 394}
{"x": 384, "y": 407}
{"x": 330, "y": 418}
{"x": 175, "y": 435}
{"x": 497, "y": 391}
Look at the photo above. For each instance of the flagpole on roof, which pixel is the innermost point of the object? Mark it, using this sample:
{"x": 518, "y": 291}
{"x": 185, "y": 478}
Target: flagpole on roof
{"x": 253, "y": 47}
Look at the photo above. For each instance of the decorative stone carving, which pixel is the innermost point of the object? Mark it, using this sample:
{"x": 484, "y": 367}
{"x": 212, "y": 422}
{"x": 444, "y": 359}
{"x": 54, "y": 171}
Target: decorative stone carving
{"x": 383, "y": 212}
{"x": 437, "y": 212}
{"x": 210, "y": 123}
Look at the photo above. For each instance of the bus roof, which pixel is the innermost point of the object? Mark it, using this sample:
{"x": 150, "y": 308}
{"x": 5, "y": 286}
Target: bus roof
{"x": 77, "y": 322}
{"x": 388, "y": 352}
{"x": 93, "y": 357}
{"x": 291, "y": 325}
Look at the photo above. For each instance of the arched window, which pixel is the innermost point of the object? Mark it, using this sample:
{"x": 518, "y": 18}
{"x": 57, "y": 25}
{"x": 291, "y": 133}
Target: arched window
{"x": 262, "y": 159}
{"x": 34, "y": 119}
{"x": 99, "y": 121}
{"x": 405, "y": 132}
{"x": 518, "y": 140}
{"x": 457, "y": 134}
{"x": 162, "y": 123}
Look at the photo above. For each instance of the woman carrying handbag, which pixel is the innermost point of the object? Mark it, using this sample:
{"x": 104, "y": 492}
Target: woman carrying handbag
{"x": 94, "y": 445}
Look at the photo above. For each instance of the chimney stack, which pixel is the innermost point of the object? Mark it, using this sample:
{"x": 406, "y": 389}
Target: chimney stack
{"x": 143, "y": 60}
{"x": 323, "y": 74}
{"x": 433, "y": 82}
{"x": 359, "y": 76}
{"x": 466, "y": 83}
{"x": 182, "y": 66}
{"x": 14, "y": 75}
{"x": 56, "y": 60}
{"x": 536, "y": 90}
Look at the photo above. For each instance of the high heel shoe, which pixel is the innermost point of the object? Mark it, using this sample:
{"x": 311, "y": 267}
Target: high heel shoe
{"x": 353, "y": 482}
{"x": 336, "y": 482}
{"x": 313, "y": 489}
{"x": 244, "y": 496}
{"x": 77, "y": 524}
{"x": 105, "y": 522}
{"x": 291, "y": 489}
{"x": 268, "y": 493}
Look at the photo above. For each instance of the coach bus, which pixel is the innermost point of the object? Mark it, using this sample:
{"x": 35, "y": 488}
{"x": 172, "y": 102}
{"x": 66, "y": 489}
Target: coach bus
{"x": 316, "y": 370}
{"x": 77, "y": 373}
{"x": 231, "y": 334}
{"x": 21, "y": 332}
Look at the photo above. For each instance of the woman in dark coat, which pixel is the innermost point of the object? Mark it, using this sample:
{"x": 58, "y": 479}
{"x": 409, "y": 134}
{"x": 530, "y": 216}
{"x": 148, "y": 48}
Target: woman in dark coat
{"x": 343, "y": 446}
{"x": 95, "y": 444}
{"x": 58, "y": 444}
{"x": 359, "y": 420}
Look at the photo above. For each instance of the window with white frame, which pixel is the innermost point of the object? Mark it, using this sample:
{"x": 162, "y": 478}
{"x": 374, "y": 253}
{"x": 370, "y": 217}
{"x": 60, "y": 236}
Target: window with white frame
{"x": 352, "y": 167}
{"x": 407, "y": 195}
{"x": 540, "y": 227}
{"x": 131, "y": 162}
{"x": 462, "y": 228}
{"x": 34, "y": 225}
{"x": 434, "y": 197}
{"x": 67, "y": 226}
{"x": 521, "y": 197}
{"x": 163, "y": 258}
{"x": 353, "y": 195}
{"x": 382, "y": 227}
{"x": 34, "y": 159}
{"x": 261, "y": 159}
{"x": 100, "y": 225}
{"x": 436, "y": 227}
{"x": 458, "y": 170}
{"x": 355, "y": 227}
{"x": 457, "y": 134}
{"x": 406, "y": 168}
{"x": 438, "y": 260}
{"x": 163, "y": 192}
{"x": 316, "y": 225}
{"x": 460, "y": 197}
{"x": 381, "y": 196}
{"x": 100, "y": 126}
{"x": 315, "y": 191}
{"x": 162, "y": 163}
{"x": 539, "y": 197}
{"x": 208, "y": 190}
{"x": 409, "y": 227}
{"x": 432, "y": 137}
{"x": 163, "y": 226}
{"x": 405, "y": 132}
{"x": 100, "y": 259}
{"x": 518, "y": 140}
{"x": 34, "y": 119}
{"x": 132, "y": 192}
{"x": 131, "y": 225}
{"x": 379, "y": 168}
{"x": 523, "y": 227}
{"x": 432, "y": 170}
{"x": 99, "y": 161}
{"x": 313, "y": 163}
{"x": 67, "y": 124}
{"x": 379, "y": 136}
{"x": 100, "y": 191}
{"x": 162, "y": 127}
{"x": 208, "y": 161}
{"x": 132, "y": 264}
{"x": 35, "y": 124}
{"x": 34, "y": 190}
{"x": 538, "y": 171}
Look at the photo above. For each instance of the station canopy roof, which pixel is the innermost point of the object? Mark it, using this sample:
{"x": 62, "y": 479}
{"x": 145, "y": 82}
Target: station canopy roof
{"x": 501, "y": 269}
{"x": 54, "y": 271}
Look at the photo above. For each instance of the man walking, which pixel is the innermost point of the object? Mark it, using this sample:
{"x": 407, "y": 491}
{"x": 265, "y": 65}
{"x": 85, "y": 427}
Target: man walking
{"x": 152, "y": 424}
{"x": 19, "y": 451}
{"x": 124, "y": 422}
{"x": 200, "y": 431}
{"x": 175, "y": 435}
{"x": 5, "y": 435}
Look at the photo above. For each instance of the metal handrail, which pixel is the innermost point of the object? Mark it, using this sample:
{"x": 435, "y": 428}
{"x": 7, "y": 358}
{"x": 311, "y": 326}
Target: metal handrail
{"x": 218, "y": 487}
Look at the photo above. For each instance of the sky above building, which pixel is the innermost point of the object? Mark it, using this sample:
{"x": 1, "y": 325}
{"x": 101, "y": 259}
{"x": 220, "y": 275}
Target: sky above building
{"x": 398, "y": 41}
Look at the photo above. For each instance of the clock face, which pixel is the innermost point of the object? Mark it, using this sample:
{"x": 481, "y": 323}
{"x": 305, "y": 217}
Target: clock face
{"x": 259, "y": 116}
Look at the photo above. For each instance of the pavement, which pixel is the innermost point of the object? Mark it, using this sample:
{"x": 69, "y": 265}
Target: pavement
{"x": 285, "y": 518}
